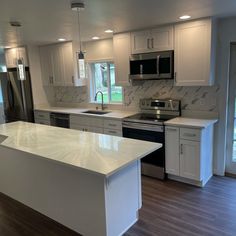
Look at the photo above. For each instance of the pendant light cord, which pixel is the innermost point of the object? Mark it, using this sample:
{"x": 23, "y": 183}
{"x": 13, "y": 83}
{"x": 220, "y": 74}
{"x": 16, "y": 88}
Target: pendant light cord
{"x": 79, "y": 29}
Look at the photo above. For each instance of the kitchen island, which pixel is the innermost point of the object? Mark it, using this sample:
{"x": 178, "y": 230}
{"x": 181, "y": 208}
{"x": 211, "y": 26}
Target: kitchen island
{"x": 88, "y": 182}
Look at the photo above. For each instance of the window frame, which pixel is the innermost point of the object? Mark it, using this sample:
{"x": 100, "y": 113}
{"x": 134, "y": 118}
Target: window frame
{"x": 92, "y": 87}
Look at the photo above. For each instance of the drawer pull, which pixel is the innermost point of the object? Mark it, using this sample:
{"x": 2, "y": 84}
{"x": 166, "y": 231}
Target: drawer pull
{"x": 189, "y": 135}
{"x": 112, "y": 125}
{"x": 171, "y": 129}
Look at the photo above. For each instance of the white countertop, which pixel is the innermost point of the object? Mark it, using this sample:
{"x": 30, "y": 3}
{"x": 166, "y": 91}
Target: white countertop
{"x": 97, "y": 153}
{"x": 116, "y": 114}
{"x": 190, "y": 122}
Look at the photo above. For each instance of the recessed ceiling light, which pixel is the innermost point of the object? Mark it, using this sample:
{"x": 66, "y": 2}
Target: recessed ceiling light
{"x": 108, "y": 31}
{"x": 7, "y": 47}
{"x": 95, "y": 38}
{"x": 61, "y": 39}
{"x": 184, "y": 17}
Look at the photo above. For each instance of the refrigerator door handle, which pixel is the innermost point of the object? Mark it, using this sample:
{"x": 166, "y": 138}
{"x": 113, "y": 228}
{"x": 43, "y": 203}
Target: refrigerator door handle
{"x": 10, "y": 94}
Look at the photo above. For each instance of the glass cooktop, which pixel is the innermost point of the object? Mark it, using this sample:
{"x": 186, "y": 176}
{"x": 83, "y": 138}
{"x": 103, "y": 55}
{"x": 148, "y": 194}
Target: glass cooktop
{"x": 152, "y": 118}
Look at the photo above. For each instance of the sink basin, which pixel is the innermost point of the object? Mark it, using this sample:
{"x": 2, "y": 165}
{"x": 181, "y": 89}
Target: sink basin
{"x": 96, "y": 112}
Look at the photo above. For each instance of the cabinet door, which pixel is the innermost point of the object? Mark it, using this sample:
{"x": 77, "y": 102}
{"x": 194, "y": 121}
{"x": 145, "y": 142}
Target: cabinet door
{"x": 172, "y": 150}
{"x": 122, "y": 51}
{"x": 162, "y": 39}
{"x": 193, "y": 53}
{"x": 190, "y": 159}
{"x": 68, "y": 64}
{"x": 57, "y": 65}
{"x": 46, "y": 65}
{"x": 140, "y": 42}
{"x": 98, "y": 130}
{"x": 12, "y": 54}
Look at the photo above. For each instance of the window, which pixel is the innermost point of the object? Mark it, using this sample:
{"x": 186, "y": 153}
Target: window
{"x": 103, "y": 79}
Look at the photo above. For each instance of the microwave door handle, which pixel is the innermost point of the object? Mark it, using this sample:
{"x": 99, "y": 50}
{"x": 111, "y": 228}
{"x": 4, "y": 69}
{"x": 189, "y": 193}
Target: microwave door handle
{"x": 158, "y": 63}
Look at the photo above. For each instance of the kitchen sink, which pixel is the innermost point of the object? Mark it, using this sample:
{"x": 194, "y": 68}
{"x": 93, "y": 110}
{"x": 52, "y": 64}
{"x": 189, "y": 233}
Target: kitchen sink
{"x": 96, "y": 112}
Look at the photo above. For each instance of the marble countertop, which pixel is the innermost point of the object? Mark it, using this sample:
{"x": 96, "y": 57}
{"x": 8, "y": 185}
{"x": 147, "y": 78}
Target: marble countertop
{"x": 115, "y": 114}
{"x": 191, "y": 122}
{"x": 96, "y": 153}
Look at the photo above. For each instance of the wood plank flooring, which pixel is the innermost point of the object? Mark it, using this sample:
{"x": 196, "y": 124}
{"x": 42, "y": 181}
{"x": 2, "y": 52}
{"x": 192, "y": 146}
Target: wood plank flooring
{"x": 169, "y": 208}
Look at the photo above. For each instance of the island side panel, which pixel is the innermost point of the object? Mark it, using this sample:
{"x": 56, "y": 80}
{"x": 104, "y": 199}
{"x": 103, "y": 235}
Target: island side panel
{"x": 68, "y": 195}
{"x": 123, "y": 199}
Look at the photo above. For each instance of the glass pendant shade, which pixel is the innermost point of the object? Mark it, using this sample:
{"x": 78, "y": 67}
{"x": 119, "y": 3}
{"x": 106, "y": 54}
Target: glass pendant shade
{"x": 20, "y": 69}
{"x": 81, "y": 65}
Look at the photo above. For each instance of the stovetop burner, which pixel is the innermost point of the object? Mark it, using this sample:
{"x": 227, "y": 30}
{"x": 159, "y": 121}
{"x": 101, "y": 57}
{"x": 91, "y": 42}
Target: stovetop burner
{"x": 156, "y": 111}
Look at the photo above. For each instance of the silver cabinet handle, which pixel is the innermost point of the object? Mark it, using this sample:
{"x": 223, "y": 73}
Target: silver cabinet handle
{"x": 51, "y": 79}
{"x": 148, "y": 43}
{"x": 181, "y": 149}
{"x": 171, "y": 129}
{"x": 152, "y": 40}
{"x": 189, "y": 135}
{"x": 158, "y": 63}
{"x": 72, "y": 79}
{"x": 175, "y": 77}
{"x": 141, "y": 69}
{"x": 112, "y": 125}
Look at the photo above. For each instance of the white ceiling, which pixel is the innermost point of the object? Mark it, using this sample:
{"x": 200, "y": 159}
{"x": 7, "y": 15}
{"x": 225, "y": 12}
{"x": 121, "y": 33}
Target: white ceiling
{"x": 43, "y": 21}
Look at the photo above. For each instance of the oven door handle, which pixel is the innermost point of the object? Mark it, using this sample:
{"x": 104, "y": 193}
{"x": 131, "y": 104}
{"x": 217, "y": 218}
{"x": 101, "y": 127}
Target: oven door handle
{"x": 139, "y": 126}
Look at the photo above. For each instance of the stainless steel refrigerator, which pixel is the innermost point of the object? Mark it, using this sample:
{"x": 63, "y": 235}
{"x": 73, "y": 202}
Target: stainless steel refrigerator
{"x": 17, "y": 96}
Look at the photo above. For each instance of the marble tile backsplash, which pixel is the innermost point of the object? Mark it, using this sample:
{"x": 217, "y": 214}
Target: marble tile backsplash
{"x": 75, "y": 95}
{"x": 192, "y": 98}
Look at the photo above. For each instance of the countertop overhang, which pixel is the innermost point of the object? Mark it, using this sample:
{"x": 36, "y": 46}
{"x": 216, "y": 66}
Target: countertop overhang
{"x": 97, "y": 153}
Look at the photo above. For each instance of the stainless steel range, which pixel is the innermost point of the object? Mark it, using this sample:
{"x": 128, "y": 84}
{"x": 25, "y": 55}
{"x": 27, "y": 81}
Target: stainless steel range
{"x": 149, "y": 126}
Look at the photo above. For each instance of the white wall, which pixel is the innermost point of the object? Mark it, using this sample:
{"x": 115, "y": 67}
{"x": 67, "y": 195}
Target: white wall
{"x": 41, "y": 95}
{"x": 227, "y": 35}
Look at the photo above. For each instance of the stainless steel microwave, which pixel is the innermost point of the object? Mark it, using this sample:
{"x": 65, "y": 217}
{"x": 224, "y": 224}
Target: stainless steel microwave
{"x": 157, "y": 65}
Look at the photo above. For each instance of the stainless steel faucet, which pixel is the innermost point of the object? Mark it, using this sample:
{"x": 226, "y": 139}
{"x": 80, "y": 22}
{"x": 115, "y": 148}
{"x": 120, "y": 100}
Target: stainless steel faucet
{"x": 102, "y": 104}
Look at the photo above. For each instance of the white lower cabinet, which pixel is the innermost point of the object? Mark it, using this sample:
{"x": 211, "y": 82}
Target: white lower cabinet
{"x": 189, "y": 154}
{"x": 42, "y": 117}
{"x": 172, "y": 151}
{"x": 96, "y": 125}
{"x": 190, "y": 159}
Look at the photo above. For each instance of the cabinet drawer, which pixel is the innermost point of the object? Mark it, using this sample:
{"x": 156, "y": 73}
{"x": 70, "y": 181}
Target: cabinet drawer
{"x": 86, "y": 120}
{"x": 79, "y": 120}
{"x": 78, "y": 127}
{"x": 41, "y": 121}
{"x": 112, "y": 124}
{"x": 113, "y": 132}
{"x": 190, "y": 134}
{"x": 42, "y": 115}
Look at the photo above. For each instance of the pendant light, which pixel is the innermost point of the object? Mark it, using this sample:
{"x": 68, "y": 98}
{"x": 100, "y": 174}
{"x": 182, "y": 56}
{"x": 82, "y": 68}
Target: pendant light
{"x": 78, "y": 6}
{"x": 19, "y": 60}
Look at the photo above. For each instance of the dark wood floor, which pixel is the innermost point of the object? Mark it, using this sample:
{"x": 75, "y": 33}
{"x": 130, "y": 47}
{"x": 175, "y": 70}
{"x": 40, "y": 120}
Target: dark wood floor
{"x": 169, "y": 208}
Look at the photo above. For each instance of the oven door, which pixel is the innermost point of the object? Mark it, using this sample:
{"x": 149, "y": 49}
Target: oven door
{"x": 148, "y": 132}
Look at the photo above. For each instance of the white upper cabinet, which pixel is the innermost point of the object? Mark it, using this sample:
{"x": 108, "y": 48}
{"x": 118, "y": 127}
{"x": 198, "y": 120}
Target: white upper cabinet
{"x": 158, "y": 39}
{"x": 194, "y": 53}
{"x": 58, "y": 65}
{"x": 122, "y": 51}
{"x": 46, "y": 65}
{"x": 12, "y": 54}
